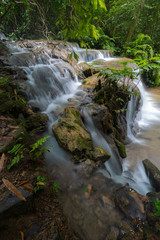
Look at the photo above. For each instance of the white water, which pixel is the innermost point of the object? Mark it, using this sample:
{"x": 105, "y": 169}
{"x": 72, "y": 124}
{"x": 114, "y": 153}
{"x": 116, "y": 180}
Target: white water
{"x": 113, "y": 166}
{"x": 51, "y": 82}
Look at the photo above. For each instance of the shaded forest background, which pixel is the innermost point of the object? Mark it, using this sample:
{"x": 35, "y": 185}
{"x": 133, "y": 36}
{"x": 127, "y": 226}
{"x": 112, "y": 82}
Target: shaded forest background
{"x": 129, "y": 27}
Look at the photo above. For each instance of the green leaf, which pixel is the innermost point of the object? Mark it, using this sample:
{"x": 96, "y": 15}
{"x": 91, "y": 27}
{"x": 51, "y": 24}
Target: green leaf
{"x": 102, "y": 4}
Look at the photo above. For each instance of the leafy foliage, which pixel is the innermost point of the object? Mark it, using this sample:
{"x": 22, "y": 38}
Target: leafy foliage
{"x": 115, "y": 91}
{"x": 55, "y": 187}
{"x": 140, "y": 48}
{"x": 76, "y": 19}
{"x": 10, "y": 98}
{"x": 20, "y": 149}
{"x": 40, "y": 184}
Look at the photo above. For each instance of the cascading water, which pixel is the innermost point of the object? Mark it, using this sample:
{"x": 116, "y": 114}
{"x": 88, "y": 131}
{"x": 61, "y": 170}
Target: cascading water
{"x": 51, "y": 82}
{"x": 146, "y": 142}
{"x": 113, "y": 166}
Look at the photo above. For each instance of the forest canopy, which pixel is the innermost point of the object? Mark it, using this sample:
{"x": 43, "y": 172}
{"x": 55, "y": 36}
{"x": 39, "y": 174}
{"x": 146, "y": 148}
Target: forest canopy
{"x": 106, "y": 24}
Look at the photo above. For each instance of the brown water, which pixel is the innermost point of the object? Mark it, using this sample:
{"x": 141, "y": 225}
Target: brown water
{"x": 148, "y": 134}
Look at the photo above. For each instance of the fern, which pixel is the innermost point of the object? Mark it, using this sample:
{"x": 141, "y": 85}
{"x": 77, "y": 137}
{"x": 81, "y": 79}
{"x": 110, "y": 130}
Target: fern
{"x": 16, "y": 148}
{"x": 39, "y": 143}
{"x": 19, "y": 149}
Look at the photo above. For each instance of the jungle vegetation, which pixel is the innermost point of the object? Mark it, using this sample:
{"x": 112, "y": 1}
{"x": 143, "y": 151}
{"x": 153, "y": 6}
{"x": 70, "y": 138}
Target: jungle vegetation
{"x": 129, "y": 27}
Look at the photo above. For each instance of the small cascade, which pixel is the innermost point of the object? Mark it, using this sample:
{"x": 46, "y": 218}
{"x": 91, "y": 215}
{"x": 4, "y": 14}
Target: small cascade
{"x": 113, "y": 166}
{"x": 51, "y": 82}
{"x": 91, "y": 55}
{"x": 130, "y": 117}
{"x": 123, "y": 174}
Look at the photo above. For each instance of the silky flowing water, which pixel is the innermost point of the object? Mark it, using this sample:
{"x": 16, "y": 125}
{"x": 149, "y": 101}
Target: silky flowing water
{"x": 52, "y": 85}
{"x": 52, "y": 82}
{"x": 148, "y": 130}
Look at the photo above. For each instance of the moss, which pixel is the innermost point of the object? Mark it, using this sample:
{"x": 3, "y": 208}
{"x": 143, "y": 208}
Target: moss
{"x": 84, "y": 81}
{"x": 37, "y": 120}
{"x": 3, "y": 49}
{"x": 153, "y": 173}
{"x": 73, "y": 137}
{"x": 74, "y": 115}
{"x": 100, "y": 154}
{"x": 121, "y": 148}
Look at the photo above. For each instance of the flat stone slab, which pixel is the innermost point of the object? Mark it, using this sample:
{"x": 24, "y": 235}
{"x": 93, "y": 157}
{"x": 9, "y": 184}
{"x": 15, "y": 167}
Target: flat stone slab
{"x": 11, "y": 206}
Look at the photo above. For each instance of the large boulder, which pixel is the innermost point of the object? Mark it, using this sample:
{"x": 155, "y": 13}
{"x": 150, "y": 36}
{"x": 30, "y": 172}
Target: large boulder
{"x": 130, "y": 203}
{"x": 153, "y": 173}
{"x": 102, "y": 118}
{"x": 72, "y": 136}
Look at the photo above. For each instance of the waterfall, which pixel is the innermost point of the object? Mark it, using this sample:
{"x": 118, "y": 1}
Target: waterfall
{"x": 92, "y": 55}
{"x": 113, "y": 166}
{"x": 51, "y": 82}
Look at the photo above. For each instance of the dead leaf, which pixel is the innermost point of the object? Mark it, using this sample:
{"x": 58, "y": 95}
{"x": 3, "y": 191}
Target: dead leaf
{"x": 27, "y": 186}
{"x": 2, "y": 161}
{"x": 22, "y": 236}
{"x": 13, "y": 189}
{"x": 10, "y": 126}
{"x": 40, "y": 183}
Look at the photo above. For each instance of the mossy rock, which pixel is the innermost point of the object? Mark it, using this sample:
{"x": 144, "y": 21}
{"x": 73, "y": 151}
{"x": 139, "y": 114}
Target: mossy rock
{"x": 87, "y": 69}
{"x": 3, "y": 49}
{"x": 153, "y": 173}
{"x": 37, "y": 120}
{"x": 121, "y": 148}
{"x": 72, "y": 137}
{"x": 100, "y": 154}
{"x": 73, "y": 114}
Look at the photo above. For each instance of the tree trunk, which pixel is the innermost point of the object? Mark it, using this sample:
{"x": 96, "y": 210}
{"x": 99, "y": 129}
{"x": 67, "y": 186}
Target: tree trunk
{"x": 131, "y": 30}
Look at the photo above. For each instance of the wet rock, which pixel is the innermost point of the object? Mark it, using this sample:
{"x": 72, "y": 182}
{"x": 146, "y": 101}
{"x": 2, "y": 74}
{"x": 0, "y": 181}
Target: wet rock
{"x": 113, "y": 234}
{"x": 22, "y": 59}
{"x": 153, "y": 221}
{"x": 59, "y": 53}
{"x": 11, "y": 206}
{"x": 121, "y": 148}
{"x": 72, "y": 136}
{"x": 36, "y": 121}
{"x": 73, "y": 114}
{"x": 102, "y": 118}
{"x": 130, "y": 203}
{"x": 86, "y": 168}
{"x": 153, "y": 173}
{"x": 100, "y": 154}
{"x": 3, "y": 49}
{"x": 87, "y": 69}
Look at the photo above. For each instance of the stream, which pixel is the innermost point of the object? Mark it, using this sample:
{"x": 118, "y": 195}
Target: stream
{"x": 52, "y": 85}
